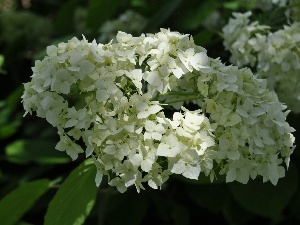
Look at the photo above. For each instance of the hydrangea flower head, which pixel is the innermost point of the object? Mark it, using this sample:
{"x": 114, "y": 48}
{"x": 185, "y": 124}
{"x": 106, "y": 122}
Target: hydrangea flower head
{"x": 107, "y": 101}
{"x": 243, "y": 39}
{"x": 274, "y": 55}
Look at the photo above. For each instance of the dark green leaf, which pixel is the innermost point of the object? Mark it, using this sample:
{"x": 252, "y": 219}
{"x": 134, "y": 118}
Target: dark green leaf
{"x": 211, "y": 196}
{"x": 162, "y": 14}
{"x": 64, "y": 20}
{"x": 295, "y": 205}
{"x": 75, "y": 198}
{"x": 138, "y": 3}
{"x": 101, "y": 10}
{"x": 192, "y": 18}
{"x": 295, "y": 201}
{"x": 14, "y": 98}
{"x": 5, "y": 113}
{"x": 158, "y": 200}
{"x": 265, "y": 199}
{"x": 14, "y": 205}
{"x": 38, "y": 151}
{"x": 130, "y": 207}
{"x": 234, "y": 214}
{"x": 180, "y": 214}
{"x": 9, "y": 120}
{"x": 203, "y": 38}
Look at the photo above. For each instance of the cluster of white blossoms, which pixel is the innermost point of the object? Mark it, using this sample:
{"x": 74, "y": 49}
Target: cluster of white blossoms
{"x": 275, "y": 56}
{"x": 129, "y": 22}
{"x": 107, "y": 101}
{"x": 242, "y": 39}
{"x": 293, "y": 11}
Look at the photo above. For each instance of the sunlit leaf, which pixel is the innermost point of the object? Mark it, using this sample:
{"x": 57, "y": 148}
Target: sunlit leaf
{"x": 75, "y": 198}
{"x": 15, "y": 204}
{"x": 1, "y": 64}
{"x": 38, "y": 151}
{"x": 1, "y": 60}
{"x": 233, "y": 5}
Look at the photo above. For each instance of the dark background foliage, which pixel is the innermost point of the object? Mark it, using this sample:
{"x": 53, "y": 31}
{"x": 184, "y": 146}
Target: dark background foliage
{"x": 31, "y": 166}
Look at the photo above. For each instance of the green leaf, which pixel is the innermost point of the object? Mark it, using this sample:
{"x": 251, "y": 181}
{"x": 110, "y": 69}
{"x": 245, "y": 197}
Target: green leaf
{"x": 15, "y": 204}
{"x": 162, "y": 14}
{"x": 9, "y": 129}
{"x": 75, "y": 198}
{"x": 192, "y": 18}
{"x": 37, "y": 151}
{"x": 1, "y": 60}
{"x": 13, "y": 100}
{"x": 1, "y": 64}
{"x": 138, "y": 3}
{"x": 5, "y": 113}
{"x": 265, "y": 199}
{"x": 9, "y": 120}
{"x": 234, "y": 5}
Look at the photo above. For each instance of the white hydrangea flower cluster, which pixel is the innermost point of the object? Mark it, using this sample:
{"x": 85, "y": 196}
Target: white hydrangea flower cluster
{"x": 275, "y": 56}
{"x": 129, "y": 22}
{"x": 106, "y": 98}
{"x": 248, "y": 123}
{"x": 279, "y": 63}
{"x": 242, "y": 38}
{"x": 293, "y": 11}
